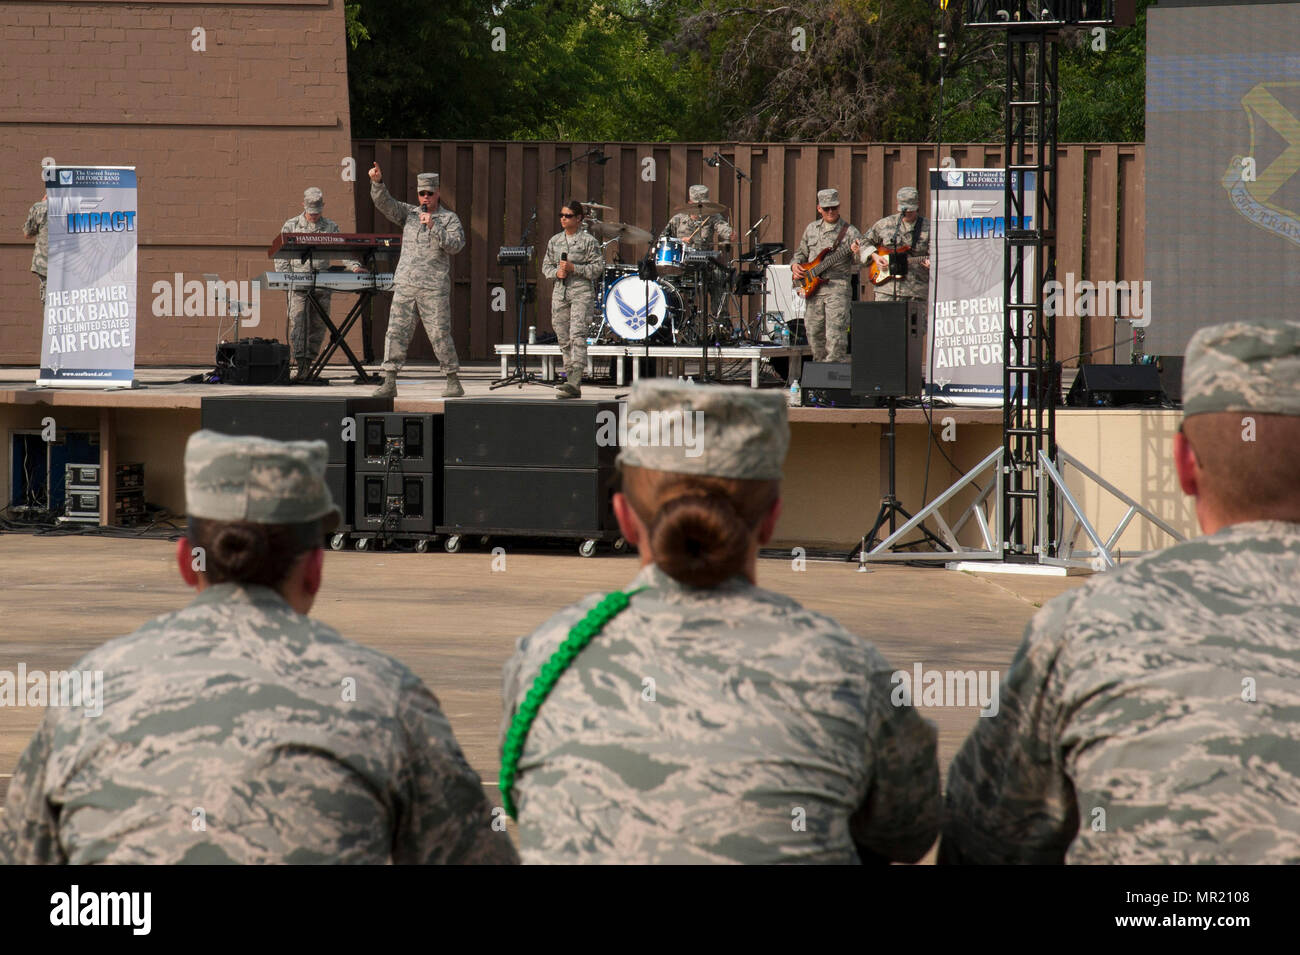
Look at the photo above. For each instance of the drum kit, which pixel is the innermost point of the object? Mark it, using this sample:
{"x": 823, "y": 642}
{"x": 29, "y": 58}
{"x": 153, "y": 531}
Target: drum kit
{"x": 687, "y": 297}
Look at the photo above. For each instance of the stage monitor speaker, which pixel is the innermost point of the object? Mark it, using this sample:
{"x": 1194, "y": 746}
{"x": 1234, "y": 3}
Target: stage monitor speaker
{"x": 527, "y": 433}
{"x": 406, "y": 503}
{"x": 252, "y": 361}
{"x": 1116, "y": 386}
{"x": 886, "y": 357}
{"x": 292, "y": 419}
{"x": 531, "y": 501}
{"x": 339, "y": 481}
{"x": 393, "y": 440}
{"x": 826, "y": 384}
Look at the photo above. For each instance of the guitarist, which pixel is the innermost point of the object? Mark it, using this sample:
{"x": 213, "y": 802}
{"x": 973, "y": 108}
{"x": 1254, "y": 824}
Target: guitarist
{"x": 905, "y": 229}
{"x": 827, "y": 313}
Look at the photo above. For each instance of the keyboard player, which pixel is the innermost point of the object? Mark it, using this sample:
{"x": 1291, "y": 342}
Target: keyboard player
{"x": 306, "y": 330}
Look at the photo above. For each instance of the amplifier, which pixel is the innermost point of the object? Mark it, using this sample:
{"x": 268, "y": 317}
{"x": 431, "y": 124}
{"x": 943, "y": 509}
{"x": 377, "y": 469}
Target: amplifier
{"x": 826, "y": 384}
{"x": 536, "y": 501}
{"x": 252, "y": 361}
{"x": 1115, "y": 386}
{"x": 514, "y": 255}
{"x": 85, "y": 477}
{"x": 128, "y": 506}
{"x": 411, "y": 443}
{"x": 400, "y": 503}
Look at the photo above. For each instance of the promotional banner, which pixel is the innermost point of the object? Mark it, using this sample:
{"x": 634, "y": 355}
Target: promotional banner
{"x": 967, "y": 242}
{"x": 89, "y": 339}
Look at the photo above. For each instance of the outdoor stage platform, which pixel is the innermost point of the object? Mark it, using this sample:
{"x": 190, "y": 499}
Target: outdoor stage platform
{"x": 835, "y": 474}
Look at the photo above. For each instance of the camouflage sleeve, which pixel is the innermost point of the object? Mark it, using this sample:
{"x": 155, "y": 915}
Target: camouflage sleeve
{"x": 33, "y": 224}
{"x": 443, "y": 814}
{"x": 1009, "y": 799}
{"x": 724, "y": 229}
{"x": 392, "y": 209}
{"x": 450, "y": 233}
{"x": 899, "y": 819}
{"x": 668, "y": 229}
{"x": 29, "y": 829}
{"x": 552, "y": 258}
{"x": 872, "y": 235}
{"x": 593, "y": 265}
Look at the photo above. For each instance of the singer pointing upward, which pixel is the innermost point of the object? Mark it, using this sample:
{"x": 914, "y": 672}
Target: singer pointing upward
{"x": 431, "y": 234}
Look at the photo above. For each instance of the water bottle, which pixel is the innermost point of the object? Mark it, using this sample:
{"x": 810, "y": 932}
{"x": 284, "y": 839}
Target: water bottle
{"x": 796, "y": 397}
{"x": 785, "y": 335}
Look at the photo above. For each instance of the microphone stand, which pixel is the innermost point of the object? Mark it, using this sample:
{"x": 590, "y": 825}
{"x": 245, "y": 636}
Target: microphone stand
{"x": 716, "y": 160}
{"x": 521, "y": 375}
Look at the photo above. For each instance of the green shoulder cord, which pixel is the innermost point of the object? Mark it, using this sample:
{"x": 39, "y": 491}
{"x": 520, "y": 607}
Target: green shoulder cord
{"x": 582, "y": 634}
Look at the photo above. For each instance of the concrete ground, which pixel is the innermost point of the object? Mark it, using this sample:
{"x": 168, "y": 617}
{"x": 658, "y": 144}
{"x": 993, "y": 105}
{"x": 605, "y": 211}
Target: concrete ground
{"x": 454, "y": 621}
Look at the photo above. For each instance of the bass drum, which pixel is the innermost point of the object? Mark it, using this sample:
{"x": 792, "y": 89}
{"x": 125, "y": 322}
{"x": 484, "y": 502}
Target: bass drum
{"x": 635, "y": 308}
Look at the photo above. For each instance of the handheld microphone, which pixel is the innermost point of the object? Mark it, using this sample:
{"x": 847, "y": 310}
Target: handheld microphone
{"x": 424, "y": 207}
{"x": 564, "y": 257}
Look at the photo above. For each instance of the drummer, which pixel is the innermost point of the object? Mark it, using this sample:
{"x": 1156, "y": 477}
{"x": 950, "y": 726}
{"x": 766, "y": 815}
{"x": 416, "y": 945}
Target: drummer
{"x": 696, "y": 230}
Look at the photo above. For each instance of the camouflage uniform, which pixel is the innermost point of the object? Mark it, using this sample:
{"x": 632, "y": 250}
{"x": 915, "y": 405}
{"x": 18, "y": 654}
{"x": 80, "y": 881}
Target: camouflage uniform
{"x": 770, "y": 736}
{"x": 422, "y": 282}
{"x": 38, "y": 226}
{"x": 683, "y": 225}
{"x": 1163, "y": 694}
{"x": 240, "y": 707}
{"x": 306, "y": 347}
{"x": 892, "y": 231}
{"x": 573, "y": 300}
{"x": 826, "y": 314}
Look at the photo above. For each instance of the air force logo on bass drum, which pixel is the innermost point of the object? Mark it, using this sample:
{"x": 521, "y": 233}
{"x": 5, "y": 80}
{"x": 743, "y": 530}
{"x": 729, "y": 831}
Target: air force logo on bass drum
{"x": 638, "y": 312}
{"x": 1253, "y": 181}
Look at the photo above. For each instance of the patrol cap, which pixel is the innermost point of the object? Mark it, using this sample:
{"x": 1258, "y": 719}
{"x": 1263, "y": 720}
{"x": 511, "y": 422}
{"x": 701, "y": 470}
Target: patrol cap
{"x": 699, "y": 193}
{"x": 1243, "y": 366}
{"x": 427, "y": 180}
{"x": 909, "y": 200}
{"x": 313, "y": 200}
{"x": 258, "y": 480}
{"x": 709, "y": 431}
{"x": 826, "y": 198}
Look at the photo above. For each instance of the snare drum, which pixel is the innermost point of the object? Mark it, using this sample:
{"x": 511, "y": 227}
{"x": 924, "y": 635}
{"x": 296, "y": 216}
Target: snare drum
{"x": 668, "y": 255}
{"x": 632, "y": 317}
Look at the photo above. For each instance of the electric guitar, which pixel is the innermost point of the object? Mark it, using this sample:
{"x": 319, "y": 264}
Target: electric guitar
{"x": 812, "y": 280}
{"x": 875, "y": 274}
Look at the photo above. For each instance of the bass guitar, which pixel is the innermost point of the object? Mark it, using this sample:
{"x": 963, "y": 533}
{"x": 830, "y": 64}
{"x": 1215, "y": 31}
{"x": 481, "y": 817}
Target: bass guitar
{"x": 827, "y": 259}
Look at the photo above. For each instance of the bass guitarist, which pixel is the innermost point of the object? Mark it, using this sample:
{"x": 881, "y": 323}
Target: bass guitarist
{"x": 827, "y": 314}
{"x": 905, "y": 235}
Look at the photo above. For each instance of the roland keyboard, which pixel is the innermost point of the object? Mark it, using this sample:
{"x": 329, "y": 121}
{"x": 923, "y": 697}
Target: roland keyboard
{"x": 334, "y": 281}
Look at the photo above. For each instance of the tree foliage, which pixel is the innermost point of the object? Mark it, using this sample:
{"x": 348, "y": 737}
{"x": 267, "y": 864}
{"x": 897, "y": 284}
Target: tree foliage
{"x": 671, "y": 70}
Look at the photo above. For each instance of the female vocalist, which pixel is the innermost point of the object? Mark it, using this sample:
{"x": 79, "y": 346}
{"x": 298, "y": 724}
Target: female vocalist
{"x": 574, "y": 260}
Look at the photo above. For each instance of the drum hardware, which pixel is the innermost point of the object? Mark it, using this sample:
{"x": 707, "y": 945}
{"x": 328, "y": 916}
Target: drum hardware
{"x": 619, "y": 230}
{"x": 699, "y": 209}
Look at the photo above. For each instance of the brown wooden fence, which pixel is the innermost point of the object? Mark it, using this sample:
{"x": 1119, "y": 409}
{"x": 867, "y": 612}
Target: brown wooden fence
{"x": 494, "y": 186}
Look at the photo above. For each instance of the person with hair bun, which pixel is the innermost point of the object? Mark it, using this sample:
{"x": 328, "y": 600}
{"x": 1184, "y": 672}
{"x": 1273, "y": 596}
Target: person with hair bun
{"x": 238, "y": 730}
{"x": 695, "y": 717}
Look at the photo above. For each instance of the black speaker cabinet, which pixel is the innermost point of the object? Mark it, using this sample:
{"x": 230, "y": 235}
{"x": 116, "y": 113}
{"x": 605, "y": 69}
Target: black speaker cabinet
{"x": 291, "y": 418}
{"x": 411, "y": 441}
{"x": 402, "y": 502}
{"x": 252, "y": 361}
{"x": 1170, "y": 369}
{"x": 527, "y": 433}
{"x": 886, "y": 357}
{"x": 543, "y": 501}
{"x": 1115, "y": 386}
{"x": 826, "y": 384}
{"x": 338, "y": 479}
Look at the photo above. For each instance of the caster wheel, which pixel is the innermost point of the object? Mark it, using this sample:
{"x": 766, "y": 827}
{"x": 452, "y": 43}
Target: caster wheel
{"x": 422, "y": 545}
{"x": 587, "y": 548}
{"x": 484, "y": 541}
{"x": 363, "y": 543}
{"x": 337, "y": 541}
{"x": 620, "y": 545}
{"x": 453, "y": 544}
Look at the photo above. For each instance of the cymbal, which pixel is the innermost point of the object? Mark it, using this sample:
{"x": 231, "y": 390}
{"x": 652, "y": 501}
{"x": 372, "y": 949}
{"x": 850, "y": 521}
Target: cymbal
{"x": 619, "y": 230}
{"x": 700, "y": 209}
{"x": 597, "y": 205}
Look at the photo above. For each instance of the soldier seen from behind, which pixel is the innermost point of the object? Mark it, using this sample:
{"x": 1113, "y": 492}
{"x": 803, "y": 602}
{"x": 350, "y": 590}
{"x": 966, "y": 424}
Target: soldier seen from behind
{"x": 695, "y": 717}
{"x": 1153, "y": 714}
{"x": 239, "y": 729}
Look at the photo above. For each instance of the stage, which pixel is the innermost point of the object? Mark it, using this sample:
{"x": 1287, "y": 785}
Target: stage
{"x": 835, "y": 474}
